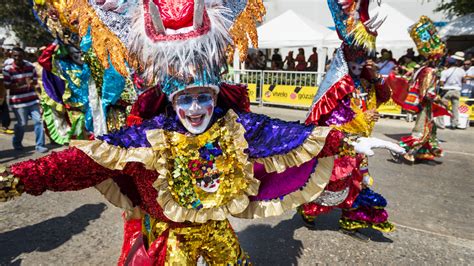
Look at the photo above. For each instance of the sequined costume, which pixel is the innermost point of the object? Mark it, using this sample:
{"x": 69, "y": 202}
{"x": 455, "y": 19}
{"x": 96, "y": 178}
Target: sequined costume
{"x": 423, "y": 144}
{"x": 343, "y": 102}
{"x": 422, "y": 98}
{"x": 158, "y": 168}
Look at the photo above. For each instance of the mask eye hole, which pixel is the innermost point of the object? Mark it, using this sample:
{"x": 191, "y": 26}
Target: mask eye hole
{"x": 204, "y": 99}
{"x": 185, "y": 100}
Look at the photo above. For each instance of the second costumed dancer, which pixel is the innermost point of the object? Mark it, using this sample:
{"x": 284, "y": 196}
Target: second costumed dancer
{"x": 347, "y": 100}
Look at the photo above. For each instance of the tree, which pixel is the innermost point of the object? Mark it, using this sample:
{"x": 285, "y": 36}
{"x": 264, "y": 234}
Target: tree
{"x": 18, "y": 14}
{"x": 456, "y": 7}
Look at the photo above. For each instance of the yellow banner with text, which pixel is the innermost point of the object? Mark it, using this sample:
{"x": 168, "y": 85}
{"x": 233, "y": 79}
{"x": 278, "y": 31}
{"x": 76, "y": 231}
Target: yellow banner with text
{"x": 252, "y": 88}
{"x": 289, "y": 95}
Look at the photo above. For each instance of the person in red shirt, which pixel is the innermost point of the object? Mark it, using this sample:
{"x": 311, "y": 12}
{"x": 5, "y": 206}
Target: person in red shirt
{"x": 300, "y": 60}
{"x": 20, "y": 78}
{"x": 313, "y": 60}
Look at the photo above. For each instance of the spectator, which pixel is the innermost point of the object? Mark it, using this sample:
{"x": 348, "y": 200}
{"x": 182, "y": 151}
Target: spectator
{"x": 410, "y": 53}
{"x": 408, "y": 66}
{"x": 469, "y": 79}
{"x": 301, "y": 60}
{"x": 261, "y": 61}
{"x": 290, "y": 61}
{"x": 451, "y": 81}
{"x": 4, "y": 112}
{"x": 329, "y": 61}
{"x": 250, "y": 61}
{"x": 277, "y": 60}
{"x": 386, "y": 63}
{"x": 313, "y": 60}
{"x": 20, "y": 78}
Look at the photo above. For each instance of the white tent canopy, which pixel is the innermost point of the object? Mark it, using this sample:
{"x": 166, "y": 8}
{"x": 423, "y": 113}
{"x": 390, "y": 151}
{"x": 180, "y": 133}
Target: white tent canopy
{"x": 459, "y": 27}
{"x": 393, "y": 34}
{"x": 290, "y": 30}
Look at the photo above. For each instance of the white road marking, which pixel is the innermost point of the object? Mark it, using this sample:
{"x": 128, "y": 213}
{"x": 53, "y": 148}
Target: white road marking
{"x": 462, "y": 242}
{"x": 460, "y": 153}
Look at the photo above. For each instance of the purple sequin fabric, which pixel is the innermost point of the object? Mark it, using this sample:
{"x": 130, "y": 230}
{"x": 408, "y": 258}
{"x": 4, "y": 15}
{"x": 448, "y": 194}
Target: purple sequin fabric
{"x": 135, "y": 136}
{"x": 278, "y": 185}
{"x": 341, "y": 114}
{"x": 269, "y": 136}
{"x": 265, "y": 136}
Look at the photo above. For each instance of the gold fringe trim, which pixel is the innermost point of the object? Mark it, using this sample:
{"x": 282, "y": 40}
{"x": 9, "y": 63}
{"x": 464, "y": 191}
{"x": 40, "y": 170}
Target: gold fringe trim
{"x": 244, "y": 29}
{"x": 104, "y": 42}
{"x": 114, "y": 157}
{"x": 316, "y": 184}
{"x": 176, "y": 212}
{"x": 302, "y": 154}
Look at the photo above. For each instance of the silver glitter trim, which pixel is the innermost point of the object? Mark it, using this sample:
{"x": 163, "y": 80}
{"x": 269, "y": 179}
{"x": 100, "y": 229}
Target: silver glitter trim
{"x": 332, "y": 198}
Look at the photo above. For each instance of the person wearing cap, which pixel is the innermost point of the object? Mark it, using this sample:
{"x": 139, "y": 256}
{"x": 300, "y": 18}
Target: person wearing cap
{"x": 386, "y": 63}
{"x": 451, "y": 82}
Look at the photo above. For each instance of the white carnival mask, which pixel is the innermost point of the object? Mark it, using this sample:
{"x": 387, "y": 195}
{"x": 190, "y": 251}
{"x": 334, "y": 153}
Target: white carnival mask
{"x": 356, "y": 68}
{"x": 195, "y": 109}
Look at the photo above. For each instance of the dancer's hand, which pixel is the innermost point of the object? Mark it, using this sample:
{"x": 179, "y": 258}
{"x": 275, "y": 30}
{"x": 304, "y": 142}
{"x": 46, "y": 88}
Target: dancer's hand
{"x": 372, "y": 115}
{"x": 366, "y": 146}
{"x": 10, "y": 186}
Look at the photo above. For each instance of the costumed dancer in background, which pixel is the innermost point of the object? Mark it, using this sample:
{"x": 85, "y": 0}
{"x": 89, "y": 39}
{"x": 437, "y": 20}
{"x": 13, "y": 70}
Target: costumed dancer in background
{"x": 422, "y": 97}
{"x": 347, "y": 100}
{"x": 203, "y": 158}
{"x": 80, "y": 97}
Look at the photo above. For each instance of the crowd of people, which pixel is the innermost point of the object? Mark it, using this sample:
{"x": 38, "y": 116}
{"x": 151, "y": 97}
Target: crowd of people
{"x": 258, "y": 61}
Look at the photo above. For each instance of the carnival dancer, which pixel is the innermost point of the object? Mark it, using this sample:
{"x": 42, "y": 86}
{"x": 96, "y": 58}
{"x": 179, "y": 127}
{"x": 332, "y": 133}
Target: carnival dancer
{"x": 422, "y": 98}
{"x": 204, "y": 157}
{"x": 348, "y": 99}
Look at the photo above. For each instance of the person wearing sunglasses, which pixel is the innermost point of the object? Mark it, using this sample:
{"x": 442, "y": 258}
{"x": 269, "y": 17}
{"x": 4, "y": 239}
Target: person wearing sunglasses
{"x": 468, "y": 88}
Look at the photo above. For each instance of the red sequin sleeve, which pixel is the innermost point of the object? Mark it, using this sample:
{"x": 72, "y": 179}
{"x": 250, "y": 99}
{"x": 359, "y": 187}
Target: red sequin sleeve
{"x": 70, "y": 169}
{"x": 333, "y": 142}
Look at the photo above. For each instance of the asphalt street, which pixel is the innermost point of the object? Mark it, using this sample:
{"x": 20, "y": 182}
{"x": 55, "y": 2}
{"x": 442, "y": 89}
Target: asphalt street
{"x": 431, "y": 205}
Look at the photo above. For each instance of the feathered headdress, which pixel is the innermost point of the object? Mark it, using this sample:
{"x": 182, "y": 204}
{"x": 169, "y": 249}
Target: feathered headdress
{"x": 353, "y": 23}
{"x": 167, "y": 42}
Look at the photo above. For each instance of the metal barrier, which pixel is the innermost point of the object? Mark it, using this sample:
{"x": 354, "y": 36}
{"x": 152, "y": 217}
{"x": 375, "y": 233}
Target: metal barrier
{"x": 253, "y": 79}
{"x": 284, "y": 88}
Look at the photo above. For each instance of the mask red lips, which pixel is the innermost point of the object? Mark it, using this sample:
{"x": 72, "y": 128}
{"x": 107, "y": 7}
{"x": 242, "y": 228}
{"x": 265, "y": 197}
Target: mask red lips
{"x": 163, "y": 16}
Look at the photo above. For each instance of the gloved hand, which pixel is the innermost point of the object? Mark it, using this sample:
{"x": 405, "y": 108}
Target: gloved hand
{"x": 366, "y": 146}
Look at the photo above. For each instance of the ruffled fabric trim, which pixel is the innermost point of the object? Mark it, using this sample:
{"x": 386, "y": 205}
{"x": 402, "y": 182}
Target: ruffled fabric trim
{"x": 307, "y": 151}
{"x": 330, "y": 99}
{"x": 52, "y": 122}
{"x": 178, "y": 213}
{"x": 111, "y": 191}
{"x": 115, "y": 158}
{"x": 313, "y": 188}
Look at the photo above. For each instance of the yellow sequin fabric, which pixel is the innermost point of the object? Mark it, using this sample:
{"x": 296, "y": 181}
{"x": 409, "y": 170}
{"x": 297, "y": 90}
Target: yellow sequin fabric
{"x": 244, "y": 29}
{"x": 360, "y": 125}
{"x": 179, "y": 196}
{"x": 215, "y": 241}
